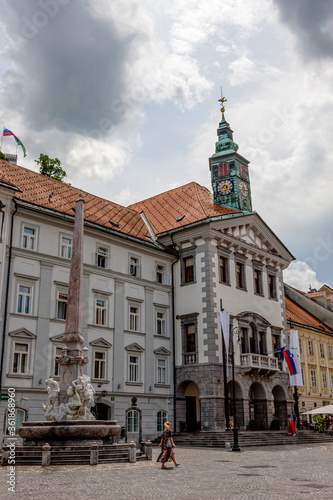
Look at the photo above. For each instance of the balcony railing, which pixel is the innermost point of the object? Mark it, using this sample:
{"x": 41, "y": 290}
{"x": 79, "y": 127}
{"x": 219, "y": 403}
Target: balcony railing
{"x": 190, "y": 359}
{"x": 260, "y": 362}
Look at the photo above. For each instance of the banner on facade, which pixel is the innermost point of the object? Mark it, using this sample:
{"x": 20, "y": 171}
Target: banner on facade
{"x": 296, "y": 379}
{"x": 225, "y": 324}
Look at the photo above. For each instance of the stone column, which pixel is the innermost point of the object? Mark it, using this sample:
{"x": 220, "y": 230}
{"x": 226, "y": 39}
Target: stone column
{"x": 72, "y": 360}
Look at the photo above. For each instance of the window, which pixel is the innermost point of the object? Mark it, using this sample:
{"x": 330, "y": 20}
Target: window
{"x": 224, "y": 270}
{"x": 310, "y": 348}
{"x": 324, "y": 379}
{"x": 102, "y": 257}
{"x": 161, "y": 371}
{"x": 20, "y": 361}
{"x": 321, "y": 351}
{"x": 58, "y": 355}
{"x": 240, "y": 276}
{"x": 62, "y": 298}
{"x": 160, "y": 273}
{"x": 189, "y": 270}
{"x": 332, "y": 381}
{"x": 330, "y": 352}
{"x": 242, "y": 171}
{"x": 100, "y": 312}
{"x": 300, "y": 346}
{"x": 160, "y": 323}
{"x": 133, "y": 375}
{"x": 134, "y": 318}
{"x": 20, "y": 417}
{"x": 99, "y": 364}
{"x": 190, "y": 338}
{"x": 262, "y": 343}
{"x": 257, "y": 275}
{"x": 29, "y": 238}
{"x": 313, "y": 378}
{"x": 133, "y": 421}
{"x": 24, "y": 300}
{"x": 272, "y": 286}
{"x": 66, "y": 247}
{"x": 134, "y": 266}
{"x": 223, "y": 169}
{"x": 276, "y": 345}
{"x": 162, "y": 417}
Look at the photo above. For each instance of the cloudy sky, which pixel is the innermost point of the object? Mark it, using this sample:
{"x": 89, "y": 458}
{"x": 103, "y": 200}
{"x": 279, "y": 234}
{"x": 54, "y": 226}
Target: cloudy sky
{"x": 125, "y": 94}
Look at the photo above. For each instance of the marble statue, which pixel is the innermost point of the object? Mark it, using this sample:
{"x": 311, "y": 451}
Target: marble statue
{"x": 52, "y": 406}
{"x": 80, "y": 400}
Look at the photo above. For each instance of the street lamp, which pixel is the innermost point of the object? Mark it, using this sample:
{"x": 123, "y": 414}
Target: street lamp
{"x": 235, "y": 446}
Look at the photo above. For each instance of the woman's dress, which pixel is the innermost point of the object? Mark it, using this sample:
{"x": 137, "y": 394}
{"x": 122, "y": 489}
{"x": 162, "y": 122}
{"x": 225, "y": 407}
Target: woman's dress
{"x": 166, "y": 453}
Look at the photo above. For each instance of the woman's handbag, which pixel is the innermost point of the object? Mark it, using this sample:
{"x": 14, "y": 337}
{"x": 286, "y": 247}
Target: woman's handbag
{"x": 169, "y": 443}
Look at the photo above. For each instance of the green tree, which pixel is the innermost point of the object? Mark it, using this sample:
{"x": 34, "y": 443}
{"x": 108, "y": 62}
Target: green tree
{"x": 2, "y": 156}
{"x": 50, "y": 167}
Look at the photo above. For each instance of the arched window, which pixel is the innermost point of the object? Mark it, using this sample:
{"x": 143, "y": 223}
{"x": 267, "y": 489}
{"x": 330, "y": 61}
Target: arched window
{"x": 133, "y": 421}
{"x": 13, "y": 424}
{"x": 162, "y": 416}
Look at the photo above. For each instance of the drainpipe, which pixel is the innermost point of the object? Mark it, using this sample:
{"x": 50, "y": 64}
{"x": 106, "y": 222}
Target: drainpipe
{"x": 7, "y": 294}
{"x": 173, "y": 332}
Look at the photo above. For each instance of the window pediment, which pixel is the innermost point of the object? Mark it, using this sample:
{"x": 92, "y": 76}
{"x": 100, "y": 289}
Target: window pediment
{"x": 57, "y": 338}
{"x": 134, "y": 347}
{"x": 100, "y": 343}
{"x": 22, "y": 333}
{"x": 162, "y": 351}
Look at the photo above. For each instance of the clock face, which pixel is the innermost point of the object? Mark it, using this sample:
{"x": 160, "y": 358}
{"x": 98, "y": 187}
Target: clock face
{"x": 243, "y": 188}
{"x": 225, "y": 187}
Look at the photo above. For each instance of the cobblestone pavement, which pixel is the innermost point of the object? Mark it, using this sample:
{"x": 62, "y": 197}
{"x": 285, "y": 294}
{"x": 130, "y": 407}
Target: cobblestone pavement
{"x": 281, "y": 472}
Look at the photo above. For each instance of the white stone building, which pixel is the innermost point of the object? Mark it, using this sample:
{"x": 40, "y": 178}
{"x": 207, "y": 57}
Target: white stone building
{"x": 155, "y": 275}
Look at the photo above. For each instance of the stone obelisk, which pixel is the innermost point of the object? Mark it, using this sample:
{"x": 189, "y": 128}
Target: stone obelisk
{"x": 72, "y": 359}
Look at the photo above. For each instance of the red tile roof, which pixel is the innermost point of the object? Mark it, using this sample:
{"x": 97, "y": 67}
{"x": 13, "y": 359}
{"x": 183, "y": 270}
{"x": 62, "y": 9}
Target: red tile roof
{"x": 36, "y": 188}
{"x": 299, "y": 315}
{"x": 192, "y": 201}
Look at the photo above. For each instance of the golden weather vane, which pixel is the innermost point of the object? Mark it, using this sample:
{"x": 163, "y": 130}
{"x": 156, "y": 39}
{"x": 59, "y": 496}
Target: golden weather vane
{"x": 222, "y": 101}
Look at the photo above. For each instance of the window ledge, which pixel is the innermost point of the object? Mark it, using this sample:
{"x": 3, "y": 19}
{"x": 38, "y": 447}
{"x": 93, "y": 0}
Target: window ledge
{"x": 167, "y": 386}
{"x": 190, "y": 283}
{"x": 134, "y": 383}
{"x": 91, "y": 325}
{"x": 135, "y": 332}
{"x": 224, "y": 283}
{"x": 259, "y": 294}
{"x": 18, "y": 375}
{"x": 242, "y": 289}
{"x": 158, "y": 336}
{"x": 273, "y": 298}
{"x": 21, "y": 315}
{"x": 100, "y": 381}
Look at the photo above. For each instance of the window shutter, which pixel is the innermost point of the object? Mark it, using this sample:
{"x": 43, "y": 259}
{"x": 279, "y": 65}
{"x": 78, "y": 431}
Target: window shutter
{"x": 223, "y": 169}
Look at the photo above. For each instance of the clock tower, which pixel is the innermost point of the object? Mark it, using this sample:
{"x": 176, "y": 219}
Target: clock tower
{"x": 229, "y": 170}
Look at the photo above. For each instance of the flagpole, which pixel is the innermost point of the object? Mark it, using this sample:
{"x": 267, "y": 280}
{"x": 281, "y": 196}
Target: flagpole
{"x": 226, "y": 399}
{"x": 296, "y": 408}
{"x": 2, "y": 138}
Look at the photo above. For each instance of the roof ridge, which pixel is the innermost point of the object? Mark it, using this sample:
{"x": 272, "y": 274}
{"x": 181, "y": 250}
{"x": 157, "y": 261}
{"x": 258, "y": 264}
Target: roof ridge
{"x": 200, "y": 203}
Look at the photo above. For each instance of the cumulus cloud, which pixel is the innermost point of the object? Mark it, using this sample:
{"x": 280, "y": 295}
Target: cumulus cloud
{"x": 311, "y": 22}
{"x": 301, "y": 276}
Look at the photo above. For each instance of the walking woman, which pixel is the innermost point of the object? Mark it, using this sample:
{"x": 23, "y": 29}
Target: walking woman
{"x": 167, "y": 446}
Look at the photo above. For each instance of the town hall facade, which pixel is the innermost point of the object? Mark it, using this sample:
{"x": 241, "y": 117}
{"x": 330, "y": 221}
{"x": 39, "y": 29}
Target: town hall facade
{"x": 156, "y": 275}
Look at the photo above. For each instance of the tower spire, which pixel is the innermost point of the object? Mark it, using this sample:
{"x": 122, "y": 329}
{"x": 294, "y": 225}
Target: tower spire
{"x": 229, "y": 170}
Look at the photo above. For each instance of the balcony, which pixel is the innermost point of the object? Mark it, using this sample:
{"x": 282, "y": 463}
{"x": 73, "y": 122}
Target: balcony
{"x": 190, "y": 358}
{"x": 258, "y": 364}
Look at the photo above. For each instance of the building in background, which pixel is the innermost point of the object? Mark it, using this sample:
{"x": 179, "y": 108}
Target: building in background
{"x": 323, "y": 296}
{"x": 316, "y": 349}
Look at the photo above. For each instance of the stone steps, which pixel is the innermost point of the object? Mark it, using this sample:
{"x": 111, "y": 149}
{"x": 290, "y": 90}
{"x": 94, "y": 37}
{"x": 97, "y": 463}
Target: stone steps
{"x": 250, "y": 438}
{"x": 74, "y": 455}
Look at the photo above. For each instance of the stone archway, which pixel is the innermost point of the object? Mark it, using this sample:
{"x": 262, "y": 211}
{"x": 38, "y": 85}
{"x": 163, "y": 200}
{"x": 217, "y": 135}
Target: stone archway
{"x": 258, "y": 405}
{"x": 188, "y": 407}
{"x": 279, "y": 401}
{"x": 239, "y": 403}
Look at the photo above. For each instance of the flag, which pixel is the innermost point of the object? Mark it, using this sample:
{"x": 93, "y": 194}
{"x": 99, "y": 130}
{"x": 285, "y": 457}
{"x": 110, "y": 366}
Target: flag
{"x": 225, "y": 324}
{"x": 280, "y": 350}
{"x": 7, "y": 133}
{"x": 289, "y": 357}
{"x": 297, "y": 378}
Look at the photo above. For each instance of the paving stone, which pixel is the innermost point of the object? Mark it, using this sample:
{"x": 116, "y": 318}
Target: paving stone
{"x": 278, "y": 472}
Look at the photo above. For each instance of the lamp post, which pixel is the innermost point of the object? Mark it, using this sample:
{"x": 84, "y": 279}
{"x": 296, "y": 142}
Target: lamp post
{"x": 235, "y": 446}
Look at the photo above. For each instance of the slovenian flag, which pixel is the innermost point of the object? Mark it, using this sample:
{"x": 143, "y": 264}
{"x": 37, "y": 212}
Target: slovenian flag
{"x": 7, "y": 133}
{"x": 289, "y": 357}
